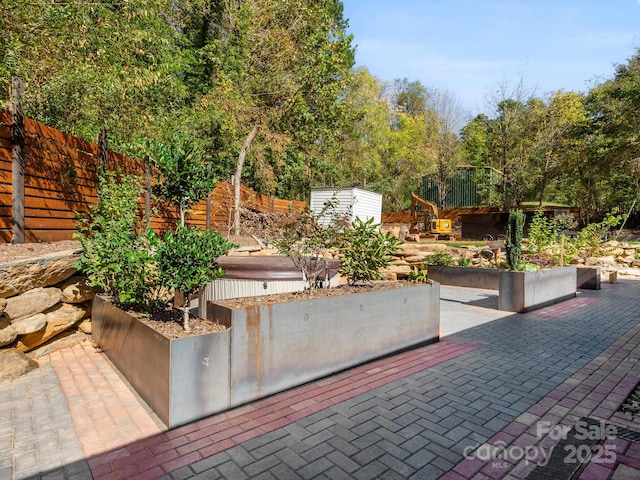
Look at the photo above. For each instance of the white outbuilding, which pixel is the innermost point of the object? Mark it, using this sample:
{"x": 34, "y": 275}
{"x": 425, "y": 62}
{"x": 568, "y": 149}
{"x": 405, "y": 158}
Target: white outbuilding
{"x": 354, "y": 201}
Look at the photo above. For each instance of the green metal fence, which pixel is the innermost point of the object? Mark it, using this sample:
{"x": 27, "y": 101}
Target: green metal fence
{"x": 467, "y": 187}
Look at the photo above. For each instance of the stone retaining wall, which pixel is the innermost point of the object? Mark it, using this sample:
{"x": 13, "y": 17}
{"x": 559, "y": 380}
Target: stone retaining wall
{"x": 40, "y": 298}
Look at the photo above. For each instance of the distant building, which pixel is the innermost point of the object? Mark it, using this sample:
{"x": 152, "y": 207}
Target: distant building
{"x": 353, "y": 201}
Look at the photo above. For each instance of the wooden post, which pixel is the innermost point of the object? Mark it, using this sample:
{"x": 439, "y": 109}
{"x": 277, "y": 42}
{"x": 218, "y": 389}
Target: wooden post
{"x": 103, "y": 145}
{"x": 147, "y": 193}
{"x": 17, "y": 156}
{"x": 208, "y": 224}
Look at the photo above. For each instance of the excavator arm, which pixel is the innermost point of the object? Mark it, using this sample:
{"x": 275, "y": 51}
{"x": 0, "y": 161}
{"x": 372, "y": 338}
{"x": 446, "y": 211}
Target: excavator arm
{"x": 422, "y": 212}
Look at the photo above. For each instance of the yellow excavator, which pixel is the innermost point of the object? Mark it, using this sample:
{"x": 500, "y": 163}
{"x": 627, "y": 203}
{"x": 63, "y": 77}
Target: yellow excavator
{"x": 424, "y": 218}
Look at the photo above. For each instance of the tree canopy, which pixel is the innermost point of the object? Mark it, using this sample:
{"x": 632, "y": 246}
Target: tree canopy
{"x": 266, "y": 91}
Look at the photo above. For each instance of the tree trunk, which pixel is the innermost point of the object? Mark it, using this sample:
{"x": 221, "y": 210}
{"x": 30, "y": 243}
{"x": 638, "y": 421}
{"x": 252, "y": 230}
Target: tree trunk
{"x": 185, "y": 312}
{"x": 237, "y": 177}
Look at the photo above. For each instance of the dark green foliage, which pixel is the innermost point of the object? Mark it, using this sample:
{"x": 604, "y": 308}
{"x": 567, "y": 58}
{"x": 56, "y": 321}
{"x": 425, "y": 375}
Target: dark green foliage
{"x": 366, "y": 250}
{"x": 187, "y": 260}
{"x": 115, "y": 256}
{"x": 186, "y": 178}
{"x": 513, "y": 232}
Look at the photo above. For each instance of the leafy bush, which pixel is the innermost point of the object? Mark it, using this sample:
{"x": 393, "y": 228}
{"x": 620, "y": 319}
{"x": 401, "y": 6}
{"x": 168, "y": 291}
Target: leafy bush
{"x": 465, "y": 262}
{"x": 366, "y": 250}
{"x": 419, "y": 275}
{"x": 187, "y": 260}
{"x": 115, "y": 257}
{"x": 185, "y": 178}
{"x": 591, "y": 237}
{"x": 439, "y": 258}
{"x": 513, "y": 232}
{"x": 541, "y": 233}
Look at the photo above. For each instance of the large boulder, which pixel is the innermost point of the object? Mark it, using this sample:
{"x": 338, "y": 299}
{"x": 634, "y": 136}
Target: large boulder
{"x": 59, "y": 318}
{"x": 14, "y": 363}
{"x": 24, "y": 275}
{"x": 29, "y": 324}
{"x": 77, "y": 289}
{"x": 31, "y": 302}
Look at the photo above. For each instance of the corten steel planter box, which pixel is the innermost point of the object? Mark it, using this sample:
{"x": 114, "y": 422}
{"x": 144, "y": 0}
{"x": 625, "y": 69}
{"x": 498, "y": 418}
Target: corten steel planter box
{"x": 267, "y": 349}
{"x": 589, "y": 278}
{"x": 472, "y": 277}
{"x": 524, "y": 291}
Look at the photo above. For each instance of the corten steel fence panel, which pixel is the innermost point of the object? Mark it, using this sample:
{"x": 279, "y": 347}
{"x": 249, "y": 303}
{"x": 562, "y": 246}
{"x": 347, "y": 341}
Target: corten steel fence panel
{"x": 60, "y": 182}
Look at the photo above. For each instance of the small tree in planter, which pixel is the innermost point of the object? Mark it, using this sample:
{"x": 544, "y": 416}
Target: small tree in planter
{"x": 366, "y": 250}
{"x": 306, "y": 241}
{"x": 187, "y": 260}
{"x": 186, "y": 178}
{"x": 513, "y": 244}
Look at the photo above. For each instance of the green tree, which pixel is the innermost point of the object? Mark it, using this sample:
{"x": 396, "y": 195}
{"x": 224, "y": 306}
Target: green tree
{"x": 88, "y": 65}
{"x": 447, "y": 115}
{"x": 187, "y": 261}
{"x": 185, "y": 178}
{"x": 513, "y": 232}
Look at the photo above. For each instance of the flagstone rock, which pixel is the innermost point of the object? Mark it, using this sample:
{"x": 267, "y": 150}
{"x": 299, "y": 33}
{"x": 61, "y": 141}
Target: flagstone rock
{"x": 59, "y": 318}
{"x": 14, "y": 363}
{"x": 43, "y": 271}
{"x": 77, "y": 289}
{"x": 29, "y": 324}
{"x": 31, "y": 302}
{"x": 8, "y": 334}
{"x": 85, "y": 326}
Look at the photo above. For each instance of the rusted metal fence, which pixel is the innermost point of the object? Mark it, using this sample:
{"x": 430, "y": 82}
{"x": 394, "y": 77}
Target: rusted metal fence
{"x": 48, "y": 177}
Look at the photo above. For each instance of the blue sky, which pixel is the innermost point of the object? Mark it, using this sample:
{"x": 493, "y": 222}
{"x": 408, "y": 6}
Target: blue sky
{"x": 470, "y": 47}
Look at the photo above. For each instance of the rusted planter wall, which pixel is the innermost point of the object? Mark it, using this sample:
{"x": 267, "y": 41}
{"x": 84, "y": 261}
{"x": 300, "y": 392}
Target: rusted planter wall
{"x": 181, "y": 379}
{"x": 279, "y": 346}
{"x": 471, "y": 277}
{"x": 266, "y": 350}
{"x": 524, "y": 291}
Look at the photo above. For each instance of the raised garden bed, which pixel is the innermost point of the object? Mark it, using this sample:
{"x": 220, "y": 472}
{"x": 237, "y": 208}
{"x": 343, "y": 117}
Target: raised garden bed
{"x": 519, "y": 291}
{"x": 525, "y": 291}
{"x": 267, "y": 348}
{"x": 472, "y": 277}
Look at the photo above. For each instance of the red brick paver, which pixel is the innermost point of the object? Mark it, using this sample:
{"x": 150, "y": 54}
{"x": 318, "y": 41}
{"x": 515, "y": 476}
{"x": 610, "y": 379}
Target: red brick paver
{"x": 123, "y": 440}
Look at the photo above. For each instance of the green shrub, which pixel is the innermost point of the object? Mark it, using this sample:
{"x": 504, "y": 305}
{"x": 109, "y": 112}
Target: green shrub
{"x": 187, "y": 261}
{"x": 541, "y": 233}
{"x": 513, "y": 244}
{"x": 419, "y": 275}
{"x": 366, "y": 250}
{"x": 591, "y": 237}
{"x": 115, "y": 256}
{"x": 465, "y": 262}
{"x": 442, "y": 257}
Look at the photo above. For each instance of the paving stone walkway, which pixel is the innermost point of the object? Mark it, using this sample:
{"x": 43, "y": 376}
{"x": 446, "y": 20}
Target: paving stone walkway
{"x": 486, "y": 402}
